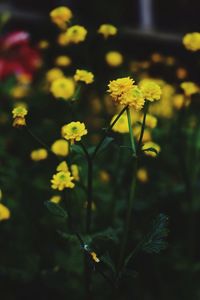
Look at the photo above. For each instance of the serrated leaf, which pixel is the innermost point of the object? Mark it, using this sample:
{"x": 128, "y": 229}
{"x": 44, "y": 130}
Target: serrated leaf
{"x": 56, "y": 209}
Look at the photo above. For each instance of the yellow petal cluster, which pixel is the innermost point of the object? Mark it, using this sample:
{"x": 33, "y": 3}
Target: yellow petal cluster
{"x": 39, "y": 154}
{"x": 62, "y": 180}
{"x": 60, "y": 147}
{"x": 74, "y": 131}
{"x": 61, "y": 16}
{"x": 150, "y": 146}
{"x": 191, "y": 41}
{"x": 84, "y": 76}
{"x": 189, "y": 88}
{"x": 4, "y": 212}
{"x": 150, "y": 90}
{"x": 107, "y": 30}
{"x": 114, "y": 58}
{"x": 63, "y": 88}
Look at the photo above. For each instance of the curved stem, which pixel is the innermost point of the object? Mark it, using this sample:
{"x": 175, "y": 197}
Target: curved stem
{"x": 146, "y": 107}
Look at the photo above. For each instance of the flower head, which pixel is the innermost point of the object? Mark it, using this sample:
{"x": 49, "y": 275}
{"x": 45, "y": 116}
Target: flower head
{"x": 119, "y": 87}
{"x": 189, "y": 88}
{"x": 39, "y": 154}
{"x": 63, "y": 61}
{"x": 151, "y": 149}
{"x": 107, "y": 30}
{"x": 62, "y": 180}
{"x": 75, "y": 34}
{"x": 121, "y": 125}
{"x": 54, "y": 74}
{"x": 63, "y": 88}
{"x": 114, "y": 58}
{"x": 4, "y": 212}
{"x": 84, "y": 76}
{"x": 62, "y": 167}
{"x": 61, "y": 16}
{"x": 191, "y": 41}
{"x": 19, "y": 114}
{"x": 150, "y": 90}
{"x": 60, "y": 147}
{"x": 73, "y": 131}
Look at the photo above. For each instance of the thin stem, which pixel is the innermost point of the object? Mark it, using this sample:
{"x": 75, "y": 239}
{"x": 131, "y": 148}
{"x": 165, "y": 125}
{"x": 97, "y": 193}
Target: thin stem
{"x": 38, "y": 139}
{"x": 128, "y": 217}
{"x": 106, "y": 132}
{"x": 131, "y": 131}
{"x": 146, "y": 107}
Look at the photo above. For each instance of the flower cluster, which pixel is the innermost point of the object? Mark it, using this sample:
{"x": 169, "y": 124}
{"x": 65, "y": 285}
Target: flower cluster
{"x": 73, "y": 131}
{"x": 84, "y": 76}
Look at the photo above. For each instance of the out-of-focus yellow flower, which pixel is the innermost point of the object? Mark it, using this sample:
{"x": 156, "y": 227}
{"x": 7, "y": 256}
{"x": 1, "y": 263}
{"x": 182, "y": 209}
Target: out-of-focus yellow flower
{"x": 149, "y": 148}
{"x": 84, "y": 76}
{"x": 24, "y": 79}
{"x": 75, "y": 172}
{"x": 125, "y": 93}
{"x": 54, "y": 74}
{"x": 75, "y": 34}
{"x": 39, "y": 154}
{"x": 151, "y": 90}
{"x": 121, "y": 125}
{"x": 189, "y": 88}
{"x": 56, "y": 199}
{"x": 191, "y": 41}
{"x": 63, "y": 61}
{"x": 60, "y": 147}
{"x": 104, "y": 176}
{"x": 62, "y": 39}
{"x": 107, "y": 30}
{"x": 73, "y": 131}
{"x": 62, "y": 180}
{"x": 156, "y": 57}
{"x": 114, "y": 58}
{"x": 178, "y": 101}
{"x": 20, "y": 91}
{"x": 63, "y": 88}
{"x": 142, "y": 175}
{"x": 4, "y": 212}
{"x": 170, "y": 60}
{"x": 43, "y": 44}
{"x": 94, "y": 257}
{"x": 62, "y": 167}
{"x": 61, "y": 16}
{"x": 151, "y": 121}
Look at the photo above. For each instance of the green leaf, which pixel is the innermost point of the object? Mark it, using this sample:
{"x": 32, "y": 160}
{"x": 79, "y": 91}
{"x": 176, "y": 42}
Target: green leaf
{"x": 67, "y": 236}
{"x": 155, "y": 240}
{"x": 106, "y": 259}
{"x": 105, "y": 143}
{"x": 77, "y": 149}
{"x": 56, "y": 209}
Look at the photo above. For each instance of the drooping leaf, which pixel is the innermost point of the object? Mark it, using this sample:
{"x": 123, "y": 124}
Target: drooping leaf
{"x": 56, "y": 209}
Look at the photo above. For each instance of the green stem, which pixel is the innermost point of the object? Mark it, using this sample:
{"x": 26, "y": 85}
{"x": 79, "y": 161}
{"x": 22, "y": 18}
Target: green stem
{"x": 131, "y": 131}
{"x": 106, "y": 132}
{"x": 146, "y": 107}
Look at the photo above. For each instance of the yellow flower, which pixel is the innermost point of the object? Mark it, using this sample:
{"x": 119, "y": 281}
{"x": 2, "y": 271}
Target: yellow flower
{"x": 56, "y": 199}
{"x": 54, "y": 74}
{"x": 142, "y": 175}
{"x": 4, "y": 212}
{"x": 20, "y": 91}
{"x": 121, "y": 125}
{"x": 83, "y": 75}
{"x": 178, "y": 101}
{"x": 104, "y": 176}
{"x": 73, "y": 131}
{"x": 63, "y": 61}
{"x": 151, "y": 121}
{"x": 150, "y": 90}
{"x": 107, "y": 30}
{"x": 75, "y": 172}
{"x": 94, "y": 257}
{"x": 146, "y": 136}
{"x": 62, "y": 180}
{"x": 43, "y": 44}
{"x": 133, "y": 98}
{"x": 119, "y": 87}
{"x": 19, "y": 111}
{"x": 62, "y": 167}
{"x": 114, "y": 58}
{"x": 60, "y": 147}
{"x": 63, "y": 88}
{"x": 39, "y": 154}
{"x": 76, "y": 34}
{"x": 61, "y": 16}
{"x": 189, "y": 88}
{"x": 151, "y": 146}
{"x": 191, "y": 41}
